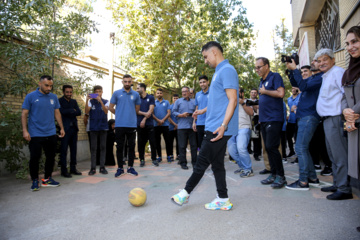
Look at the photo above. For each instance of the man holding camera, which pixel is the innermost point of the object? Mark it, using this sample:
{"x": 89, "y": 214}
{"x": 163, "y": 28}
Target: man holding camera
{"x": 271, "y": 116}
{"x": 237, "y": 144}
{"x": 256, "y": 138}
{"x": 307, "y": 121}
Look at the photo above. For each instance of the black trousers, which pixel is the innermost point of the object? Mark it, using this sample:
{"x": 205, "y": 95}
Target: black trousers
{"x": 185, "y": 135}
{"x": 210, "y": 153}
{"x": 146, "y": 134}
{"x": 36, "y": 145}
{"x": 271, "y": 132}
{"x": 200, "y": 134}
{"x": 283, "y": 144}
{"x": 318, "y": 148}
{"x": 291, "y": 129}
{"x": 120, "y": 133}
{"x": 257, "y": 146}
{"x": 173, "y": 136}
{"x": 164, "y": 130}
{"x": 69, "y": 140}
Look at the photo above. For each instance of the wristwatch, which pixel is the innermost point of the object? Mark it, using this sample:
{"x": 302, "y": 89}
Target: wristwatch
{"x": 225, "y": 126}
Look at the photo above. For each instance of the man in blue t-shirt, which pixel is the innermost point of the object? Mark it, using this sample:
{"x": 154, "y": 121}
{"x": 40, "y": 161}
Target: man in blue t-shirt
{"x": 220, "y": 124}
{"x": 291, "y": 128}
{"x": 173, "y": 126}
{"x": 183, "y": 110}
{"x": 42, "y": 108}
{"x": 201, "y": 101}
{"x": 127, "y": 102}
{"x": 145, "y": 125}
{"x": 271, "y": 116}
{"x": 97, "y": 108}
{"x": 161, "y": 124}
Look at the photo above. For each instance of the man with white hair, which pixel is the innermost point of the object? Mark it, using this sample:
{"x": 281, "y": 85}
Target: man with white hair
{"x": 328, "y": 107}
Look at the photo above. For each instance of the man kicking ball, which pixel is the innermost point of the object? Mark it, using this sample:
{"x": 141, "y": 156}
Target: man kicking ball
{"x": 221, "y": 122}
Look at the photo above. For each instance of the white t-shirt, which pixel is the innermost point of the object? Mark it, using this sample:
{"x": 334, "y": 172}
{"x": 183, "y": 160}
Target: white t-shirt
{"x": 244, "y": 118}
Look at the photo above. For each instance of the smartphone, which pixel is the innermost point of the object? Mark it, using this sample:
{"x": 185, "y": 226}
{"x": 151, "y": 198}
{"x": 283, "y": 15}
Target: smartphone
{"x": 93, "y": 95}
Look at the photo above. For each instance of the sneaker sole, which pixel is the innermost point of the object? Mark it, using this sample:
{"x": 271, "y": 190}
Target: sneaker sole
{"x": 246, "y": 176}
{"x": 297, "y": 189}
{"x": 177, "y": 203}
{"x": 133, "y": 174}
{"x": 222, "y": 208}
{"x": 120, "y": 175}
{"x": 42, "y": 185}
{"x": 326, "y": 174}
{"x": 314, "y": 184}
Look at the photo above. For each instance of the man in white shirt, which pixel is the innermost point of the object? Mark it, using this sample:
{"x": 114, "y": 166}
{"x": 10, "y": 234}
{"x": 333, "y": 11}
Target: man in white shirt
{"x": 328, "y": 107}
{"x": 237, "y": 144}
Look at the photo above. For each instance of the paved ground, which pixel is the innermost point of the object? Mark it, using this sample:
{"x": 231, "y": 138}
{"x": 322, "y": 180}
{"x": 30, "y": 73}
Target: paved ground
{"x": 96, "y": 207}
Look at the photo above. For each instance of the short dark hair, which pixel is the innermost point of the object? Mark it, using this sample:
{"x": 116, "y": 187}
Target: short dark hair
{"x": 142, "y": 85}
{"x": 96, "y": 87}
{"x": 306, "y": 66}
{"x": 127, "y": 76}
{"x": 175, "y": 95}
{"x": 211, "y": 44}
{"x": 159, "y": 89}
{"x": 264, "y": 60}
{"x": 186, "y": 87}
{"x": 255, "y": 89}
{"x": 67, "y": 86}
{"x": 47, "y": 77}
{"x": 203, "y": 77}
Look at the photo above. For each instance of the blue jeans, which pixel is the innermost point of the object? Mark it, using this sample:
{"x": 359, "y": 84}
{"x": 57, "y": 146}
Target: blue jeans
{"x": 306, "y": 128}
{"x": 237, "y": 147}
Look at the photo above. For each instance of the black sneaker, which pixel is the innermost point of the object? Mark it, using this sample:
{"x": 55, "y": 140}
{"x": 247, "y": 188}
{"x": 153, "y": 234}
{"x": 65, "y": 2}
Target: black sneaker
{"x": 298, "y": 186}
{"x": 142, "y": 163}
{"x": 296, "y": 161}
{"x": 92, "y": 171}
{"x": 327, "y": 171}
{"x": 279, "y": 182}
{"x": 290, "y": 154}
{"x": 103, "y": 170}
{"x": 269, "y": 180}
{"x": 317, "y": 168}
{"x": 314, "y": 182}
{"x": 329, "y": 189}
{"x": 256, "y": 158}
{"x": 265, "y": 171}
{"x": 155, "y": 163}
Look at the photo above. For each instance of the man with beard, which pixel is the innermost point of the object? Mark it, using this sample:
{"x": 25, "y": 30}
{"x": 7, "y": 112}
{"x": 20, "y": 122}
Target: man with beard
{"x": 127, "y": 103}
{"x": 161, "y": 124}
{"x": 69, "y": 110}
{"x": 42, "y": 108}
{"x": 201, "y": 101}
{"x": 307, "y": 121}
{"x": 220, "y": 124}
{"x": 145, "y": 125}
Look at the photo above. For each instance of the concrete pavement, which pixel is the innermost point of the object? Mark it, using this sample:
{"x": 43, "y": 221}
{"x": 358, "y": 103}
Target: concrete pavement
{"x": 96, "y": 207}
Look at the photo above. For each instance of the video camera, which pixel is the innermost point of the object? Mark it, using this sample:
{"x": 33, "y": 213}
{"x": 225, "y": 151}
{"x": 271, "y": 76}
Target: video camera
{"x": 294, "y": 56}
{"x": 252, "y": 103}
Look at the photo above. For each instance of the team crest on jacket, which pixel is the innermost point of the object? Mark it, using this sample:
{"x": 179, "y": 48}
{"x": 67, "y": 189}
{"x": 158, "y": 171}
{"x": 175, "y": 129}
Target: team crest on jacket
{"x": 132, "y": 97}
{"x": 52, "y": 101}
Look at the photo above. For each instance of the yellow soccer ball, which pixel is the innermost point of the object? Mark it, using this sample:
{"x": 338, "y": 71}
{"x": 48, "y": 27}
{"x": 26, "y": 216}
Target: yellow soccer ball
{"x": 137, "y": 197}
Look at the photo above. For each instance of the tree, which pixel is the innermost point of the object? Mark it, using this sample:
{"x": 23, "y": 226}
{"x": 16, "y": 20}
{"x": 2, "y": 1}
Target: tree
{"x": 166, "y": 37}
{"x": 34, "y": 36}
{"x": 283, "y": 45}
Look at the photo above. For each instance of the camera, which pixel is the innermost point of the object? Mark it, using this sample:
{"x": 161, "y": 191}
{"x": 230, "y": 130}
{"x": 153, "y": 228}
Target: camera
{"x": 294, "y": 56}
{"x": 252, "y": 103}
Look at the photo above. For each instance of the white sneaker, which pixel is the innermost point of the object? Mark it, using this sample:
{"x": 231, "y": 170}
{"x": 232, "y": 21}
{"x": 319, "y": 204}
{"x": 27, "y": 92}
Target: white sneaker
{"x": 219, "y": 204}
{"x": 181, "y": 198}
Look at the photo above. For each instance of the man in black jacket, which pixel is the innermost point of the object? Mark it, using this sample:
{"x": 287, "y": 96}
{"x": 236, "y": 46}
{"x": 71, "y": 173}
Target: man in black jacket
{"x": 69, "y": 109}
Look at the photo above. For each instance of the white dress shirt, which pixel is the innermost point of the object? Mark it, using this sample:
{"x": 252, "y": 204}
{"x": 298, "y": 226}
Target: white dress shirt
{"x": 329, "y": 100}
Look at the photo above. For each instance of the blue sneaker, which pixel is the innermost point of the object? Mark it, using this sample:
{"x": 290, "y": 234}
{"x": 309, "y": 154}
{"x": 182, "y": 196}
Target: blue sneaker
{"x": 132, "y": 171}
{"x": 119, "y": 172}
{"x": 169, "y": 159}
{"x": 35, "y": 185}
{"x": 159, "y": 159}
{"x": 181, "y": 198}
{"x": 49, "y": 183}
